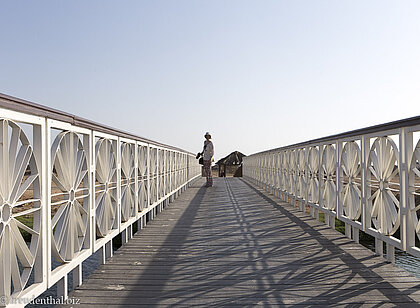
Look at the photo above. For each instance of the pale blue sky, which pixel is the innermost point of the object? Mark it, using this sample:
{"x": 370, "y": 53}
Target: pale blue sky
{"x": 256, "y": 74}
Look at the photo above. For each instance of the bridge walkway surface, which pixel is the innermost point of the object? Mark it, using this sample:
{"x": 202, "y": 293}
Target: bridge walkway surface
{"x": 234, "y": 245}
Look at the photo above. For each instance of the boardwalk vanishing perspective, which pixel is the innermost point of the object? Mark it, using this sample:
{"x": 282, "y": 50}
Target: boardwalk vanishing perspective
{"x": 232, "y": 245}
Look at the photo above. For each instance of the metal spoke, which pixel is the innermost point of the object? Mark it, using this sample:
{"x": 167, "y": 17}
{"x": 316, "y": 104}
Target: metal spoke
{"x": 100, "y": 212}
{"x": 14, "y": 267}
{"x": 27, "y": 212}
{"x": 64, "y": 201}
{"x": 61, "y": 228}
{"x": 22, "y": 250}
{"x": 5, "y": 260}
{"x": 4, "y": 156}
{"x": 25, "y": 227}
{"x": 80, "y": 207}
{"x": 24, "y": 187}
{"x": 22, "y": 161}
{"x": 13, "y": 148}
{"x": 80, "y": 172}
{"x": 78, "y": 218}
{"x": 62, "y": 170}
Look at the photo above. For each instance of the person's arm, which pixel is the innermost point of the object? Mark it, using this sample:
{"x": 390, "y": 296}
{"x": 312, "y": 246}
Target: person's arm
{"x": 211, "y": 149}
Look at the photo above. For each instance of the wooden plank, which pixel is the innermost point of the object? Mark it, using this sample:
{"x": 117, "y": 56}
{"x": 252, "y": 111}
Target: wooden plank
{"x": 232, "y": 245}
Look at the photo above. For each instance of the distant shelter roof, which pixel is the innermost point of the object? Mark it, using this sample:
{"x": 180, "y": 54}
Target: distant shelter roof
{"x": 234, "y": 158}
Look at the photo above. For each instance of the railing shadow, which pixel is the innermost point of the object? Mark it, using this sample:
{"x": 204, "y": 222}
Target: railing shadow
{"x": 373, "y": 280}
{"x": 228, "y": 251}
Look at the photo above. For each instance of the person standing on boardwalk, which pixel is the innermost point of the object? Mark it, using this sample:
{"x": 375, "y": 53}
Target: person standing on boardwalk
{"x": 208, "y": 152}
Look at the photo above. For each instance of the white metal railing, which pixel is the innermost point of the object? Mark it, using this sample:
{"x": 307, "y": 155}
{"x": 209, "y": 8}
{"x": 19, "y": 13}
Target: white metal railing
{"x": 368, "y": 178}
{"x": 68, "y": 187}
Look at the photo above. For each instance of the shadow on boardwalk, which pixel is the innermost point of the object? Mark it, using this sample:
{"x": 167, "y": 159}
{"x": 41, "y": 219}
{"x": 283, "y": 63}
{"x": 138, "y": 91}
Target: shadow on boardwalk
{"x": 234, "y": 245}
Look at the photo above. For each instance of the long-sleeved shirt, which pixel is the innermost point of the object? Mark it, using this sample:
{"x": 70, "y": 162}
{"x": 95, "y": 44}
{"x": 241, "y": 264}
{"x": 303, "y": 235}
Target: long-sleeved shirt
{"x": 208, "y": 150}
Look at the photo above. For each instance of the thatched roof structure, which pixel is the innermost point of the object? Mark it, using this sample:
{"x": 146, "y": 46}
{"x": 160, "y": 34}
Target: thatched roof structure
{"x": 234, "y": 158}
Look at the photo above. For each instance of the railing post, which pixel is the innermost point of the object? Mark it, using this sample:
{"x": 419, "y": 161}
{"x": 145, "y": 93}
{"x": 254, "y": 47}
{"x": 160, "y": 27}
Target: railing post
{"x": 136, "y": 177}
{"x": 390, "y": 253}
{"x": 108, "y": 250}
{"x": 148, "y": 188}
{"x": 40, "y": 135}
{"x": 157, "y": 176}
{"x": 119, "y": 211}
{"x": 77, "y": 276}
{"x": 338, "y": 174}
{"x": 379, "y": 247}
{"x": 306, "y": 168}
{"x": 407, "y": 227}
{"x": 321, "y": 149}
{"x": 348, "y": 229}
{"x": 365, "y": 147}
{"x": 355, "y": 234}
{"x": 47, "y": 211}
{"x": 62, "y": 287}
{"x": 124, "y": 236}
{"x": 102, "y": 255}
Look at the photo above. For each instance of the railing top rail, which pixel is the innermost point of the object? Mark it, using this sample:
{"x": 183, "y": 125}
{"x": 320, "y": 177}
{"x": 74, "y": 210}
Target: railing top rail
{"x": 362, "y": 131}
{"x": 20, "y": 105}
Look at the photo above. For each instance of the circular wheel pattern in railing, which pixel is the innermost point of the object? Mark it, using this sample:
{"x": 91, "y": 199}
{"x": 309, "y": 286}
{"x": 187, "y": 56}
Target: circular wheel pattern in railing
{"x": 273, "y": 169}
{"x": 285, "y": 163}
{"x": 142, "y": 195}
{"x": 161, "y": 161}
{"x": 142, "y": 177}
{"x": 329, "y": 188}
{"x": 168, "y": 170}
{"x": 105, "y": 187}
{"x": 414, "y": 190}
{"x": 161, "y": 173}
{"x": 350, "y": 193}
{"x": 20, "y": 208}
{"x": 153, "y": 175}
{"x": 278, "y": 170}
{"x": 172, "y": 170}
{"x": 184, "y": 168}
{"x": 383, "y": 183}
{"x": 264, "y": 167}
{"x": 267, "y": 169}
{"x": 292, "y": 172}
{"x": 313, "y": 175}
{"x": 301, "y": 181}
{"x": 69, "y": 196}
{"x": 128, "y": 182}
{"x": 153, "y": 161}
{"x": 161, "y": 186}
{"x": 177, "y": 179}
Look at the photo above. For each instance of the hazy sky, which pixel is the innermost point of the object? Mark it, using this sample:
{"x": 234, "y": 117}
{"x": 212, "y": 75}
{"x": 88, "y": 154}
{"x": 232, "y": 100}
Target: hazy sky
{"x": 256, "y": 74}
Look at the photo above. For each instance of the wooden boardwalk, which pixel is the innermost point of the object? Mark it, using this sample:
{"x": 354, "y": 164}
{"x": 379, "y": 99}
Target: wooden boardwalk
{"x": 232, "y": 245}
